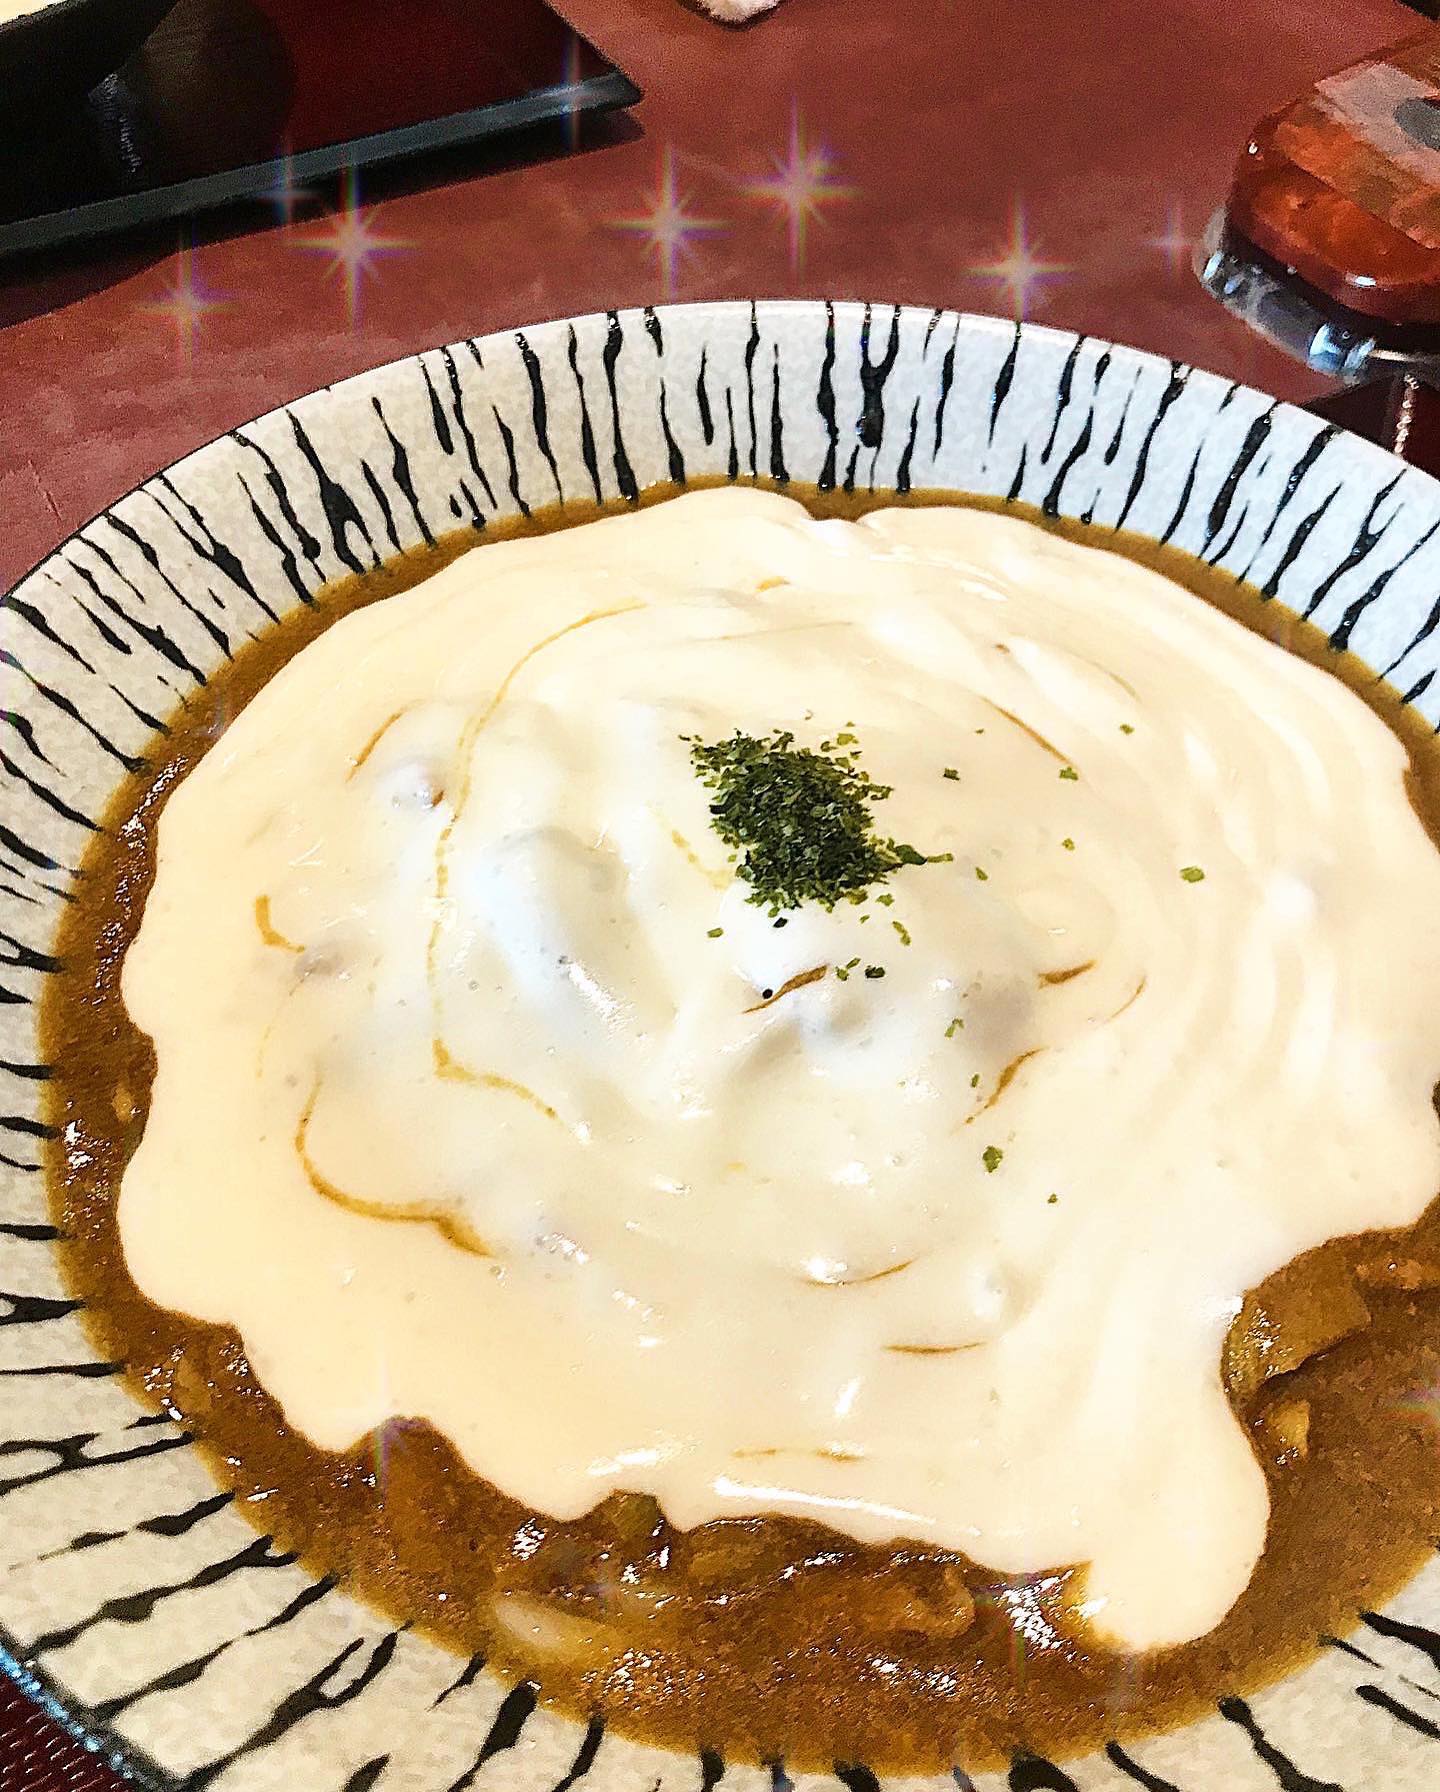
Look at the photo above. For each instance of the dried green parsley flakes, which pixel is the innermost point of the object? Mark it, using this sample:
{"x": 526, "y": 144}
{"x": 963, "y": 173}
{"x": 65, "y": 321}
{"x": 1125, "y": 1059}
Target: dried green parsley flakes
{"x": 801, "y": 820}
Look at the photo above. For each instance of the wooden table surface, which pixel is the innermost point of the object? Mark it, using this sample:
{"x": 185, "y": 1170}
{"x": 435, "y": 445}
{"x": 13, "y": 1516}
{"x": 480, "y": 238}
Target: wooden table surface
{"x": 1058, "y": 157}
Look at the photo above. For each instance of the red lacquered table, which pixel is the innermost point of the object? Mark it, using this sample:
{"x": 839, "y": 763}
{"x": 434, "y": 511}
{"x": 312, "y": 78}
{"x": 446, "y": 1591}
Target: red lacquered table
{"x": 1049, "y": 158}
{"x": 37, "y": 1756}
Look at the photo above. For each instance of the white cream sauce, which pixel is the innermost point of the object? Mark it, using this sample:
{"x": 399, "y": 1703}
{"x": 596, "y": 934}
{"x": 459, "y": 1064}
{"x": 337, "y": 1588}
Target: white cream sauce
{"x": 16, "y": 9}
{"x": 431, "y": 935}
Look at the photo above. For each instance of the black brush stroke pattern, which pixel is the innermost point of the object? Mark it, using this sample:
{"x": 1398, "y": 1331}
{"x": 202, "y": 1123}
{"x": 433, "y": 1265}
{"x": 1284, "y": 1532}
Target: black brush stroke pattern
{"x": 1414, "y": 1636}
{"x": 137, "y": 1608}
{"x": 400, "y": 473}
{"x": 1032, "y": 1773}
{"x": 382, "y": 501}
{"x": 68, "y": 1456}
{"x": 1131, "y": 1768}
{"x": 947, "y": 381}
{"x": 873, "y": 376}
{"x": 856, "y": 1778}
{"x": 1356, "y": 608}
{"x": 587, "y": 428}
{"x": 514, "y": 1713}
{"x": 1062, "y": 396}
{"x": 825, "y": 403}
{"x": 702, "y": 401}
{"x": 1004, "y": 380}
{"x": 187, "y": 1673}
{"x": 610, "y": 360}
{"x": 86, "y": 1371}
{"x": 778, "y": 471}
{"x": 540, "y": 409}
{"x": 365, "y": 1776}
{"x": 752, "y": 348}
{"x": 66, "y": 706}
{"x": 1288, "y": 1776}
{"x": 342, "y": 513}
{"x": 1050, "y": 504}
{"x": 315, "y": 1695}
{"x": 439, "y": 422}
{"x": 512, "y": 465}
{"x": 1368, "y": 534}
{"x": 1112, "y": 451}
{"x": 34, "y": 1309}
{"x": 462, "y": 418}
{"x": 150, "y": 555}
{"x": 155, "y": 638}
{"x": 165, "y": 558}
{"x": 467, "y": 1677}
{"x": 204, "y": 543}
{"x": 306, "y": 540}
{"x": 1316, "y": 447}
{"x": 1401, "y": 1712}
{"x": 1174, "y": 387}
{"x": 584, "y": 1756}
{"x": 1255, "y": 438}
{"x": 289, "y": 559}
{"x": 907, "y": 453}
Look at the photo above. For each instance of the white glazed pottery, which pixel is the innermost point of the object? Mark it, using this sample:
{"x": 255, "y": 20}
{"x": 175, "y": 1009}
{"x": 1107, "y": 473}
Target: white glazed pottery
{"x": 144, "y": 1609}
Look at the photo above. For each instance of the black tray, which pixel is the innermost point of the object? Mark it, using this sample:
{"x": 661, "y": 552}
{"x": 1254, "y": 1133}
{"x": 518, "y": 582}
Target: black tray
{"x": 232, "y": 99}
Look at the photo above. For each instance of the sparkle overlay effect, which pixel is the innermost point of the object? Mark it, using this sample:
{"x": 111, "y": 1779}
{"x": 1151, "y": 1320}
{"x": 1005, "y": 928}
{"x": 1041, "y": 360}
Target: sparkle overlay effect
{"x": 1020, "y": 1607}
{"x": 1422, "y": 1407}
{"x": 186, "y": 304}
{"x": 1176, "y": 243}
{"x": 669, "y": 228}
{"x": 283, "y": 196}
{"x": 353, "y": 247}
{"x": 570, "y": 82}
{"x": 382, "y": 1442}
{"x": 801, "y": 185}
{"x": 1019, "y": 268}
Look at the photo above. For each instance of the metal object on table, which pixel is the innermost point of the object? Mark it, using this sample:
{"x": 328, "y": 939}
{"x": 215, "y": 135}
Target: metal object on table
{"x": 1329, "y": 243}
{"x": 1278, "y": 305}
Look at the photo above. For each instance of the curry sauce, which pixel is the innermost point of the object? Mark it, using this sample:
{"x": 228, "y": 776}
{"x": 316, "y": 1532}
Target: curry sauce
{"x": 766, "y": 1638}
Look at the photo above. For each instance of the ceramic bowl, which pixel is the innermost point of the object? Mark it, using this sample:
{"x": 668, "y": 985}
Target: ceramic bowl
{"x": 63, "y": 49}
{"x": 136, "y": 1600}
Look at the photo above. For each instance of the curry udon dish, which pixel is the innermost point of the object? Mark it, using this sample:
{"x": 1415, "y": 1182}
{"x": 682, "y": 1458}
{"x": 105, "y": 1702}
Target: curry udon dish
{"x": 811, "y": 1125}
